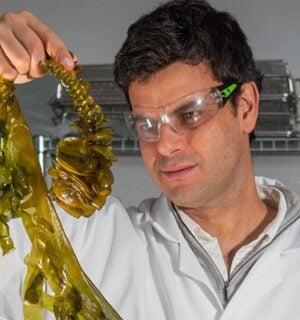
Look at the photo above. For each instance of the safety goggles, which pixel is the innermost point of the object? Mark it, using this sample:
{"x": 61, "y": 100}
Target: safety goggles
{"x": 182, "y": 116}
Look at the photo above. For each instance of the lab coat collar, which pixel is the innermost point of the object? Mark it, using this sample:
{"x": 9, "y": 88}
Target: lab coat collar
{"x": 164, "y": 223}
{"x": 163, "y": 220}
{"x": 160, "y": 212}
{"x": 292, "y": 211}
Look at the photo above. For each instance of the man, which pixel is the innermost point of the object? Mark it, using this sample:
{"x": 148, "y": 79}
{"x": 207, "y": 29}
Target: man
{"x": 217, "y": 244}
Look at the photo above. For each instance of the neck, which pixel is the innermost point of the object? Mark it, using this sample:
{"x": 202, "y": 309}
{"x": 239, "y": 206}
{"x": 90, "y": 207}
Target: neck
{"x": 234, "y": 221}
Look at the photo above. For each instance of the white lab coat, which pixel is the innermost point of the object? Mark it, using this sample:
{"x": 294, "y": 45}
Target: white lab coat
{"x": 142, "y": 264}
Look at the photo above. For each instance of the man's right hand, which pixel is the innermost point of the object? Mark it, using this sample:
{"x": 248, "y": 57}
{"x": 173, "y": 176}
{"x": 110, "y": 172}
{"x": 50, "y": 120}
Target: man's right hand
{"x": 25, "y": 41}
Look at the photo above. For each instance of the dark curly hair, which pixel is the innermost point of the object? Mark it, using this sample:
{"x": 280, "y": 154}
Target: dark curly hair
{"x": 185, "y": 30}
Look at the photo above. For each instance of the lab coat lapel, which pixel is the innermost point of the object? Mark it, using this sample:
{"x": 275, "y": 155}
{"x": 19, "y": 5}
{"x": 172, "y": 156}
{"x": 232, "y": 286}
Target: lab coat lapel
{"x": 165, "y": 224}
{"x": 263, "y": 277}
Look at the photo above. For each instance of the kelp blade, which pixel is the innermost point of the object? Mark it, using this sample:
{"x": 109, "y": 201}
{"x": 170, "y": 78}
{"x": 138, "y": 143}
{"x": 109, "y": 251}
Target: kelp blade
{"x": 51, "y": 259}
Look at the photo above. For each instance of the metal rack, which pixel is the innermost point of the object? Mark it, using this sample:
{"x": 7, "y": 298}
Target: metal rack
{"x": 46, "y": 146}
{"x": 278, "y": 145}
{"x": 277, "y": 130}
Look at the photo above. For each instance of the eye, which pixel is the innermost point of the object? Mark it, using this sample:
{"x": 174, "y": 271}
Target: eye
{"x": 194, "y": 113}
{"x": 189, "y": 113}
{"x": 190, "y": 117}
{"x": 144, "y": 125}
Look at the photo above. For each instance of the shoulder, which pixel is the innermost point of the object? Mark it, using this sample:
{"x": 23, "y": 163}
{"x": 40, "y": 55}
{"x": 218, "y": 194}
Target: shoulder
{"x": 289, "y": 232}
{"x": 147, "y": 210}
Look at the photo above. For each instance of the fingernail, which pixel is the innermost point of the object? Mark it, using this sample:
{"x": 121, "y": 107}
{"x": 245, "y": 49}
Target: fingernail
{"x": 71, "y": 54}
{"x": 74, "y": 58}
{"x": 67, "y": 62}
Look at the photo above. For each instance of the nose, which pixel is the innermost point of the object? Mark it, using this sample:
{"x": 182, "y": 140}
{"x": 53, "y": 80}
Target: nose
{"x": 170, "y": 142}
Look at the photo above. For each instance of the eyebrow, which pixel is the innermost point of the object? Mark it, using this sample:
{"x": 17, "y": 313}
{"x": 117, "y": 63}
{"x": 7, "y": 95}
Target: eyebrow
{"x": 172, "y": 106}
{"x": 187, "y": 105}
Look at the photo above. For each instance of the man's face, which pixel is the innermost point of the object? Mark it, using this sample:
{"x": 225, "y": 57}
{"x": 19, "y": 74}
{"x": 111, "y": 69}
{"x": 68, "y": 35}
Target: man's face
{"x": 195, "y": 168}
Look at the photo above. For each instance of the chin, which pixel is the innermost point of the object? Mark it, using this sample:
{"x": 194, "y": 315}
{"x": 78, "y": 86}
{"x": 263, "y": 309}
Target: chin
{"x": 187, "y": 195}
{"x": 180, "y": 195}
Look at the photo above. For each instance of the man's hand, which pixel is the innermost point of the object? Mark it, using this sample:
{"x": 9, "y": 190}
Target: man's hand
{"x": 25, "y": 41}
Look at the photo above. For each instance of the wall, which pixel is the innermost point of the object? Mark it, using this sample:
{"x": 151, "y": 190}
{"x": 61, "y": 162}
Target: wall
{"x": 94, "y": 29}
{"x": 272, "y": 27}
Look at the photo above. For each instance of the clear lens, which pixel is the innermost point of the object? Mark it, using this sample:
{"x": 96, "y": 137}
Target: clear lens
{"x": 185, "y": 115}
{"x": 143, "y": 127}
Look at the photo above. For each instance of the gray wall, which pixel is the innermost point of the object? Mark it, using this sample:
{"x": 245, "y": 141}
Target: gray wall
{"x": 94, "y": 29}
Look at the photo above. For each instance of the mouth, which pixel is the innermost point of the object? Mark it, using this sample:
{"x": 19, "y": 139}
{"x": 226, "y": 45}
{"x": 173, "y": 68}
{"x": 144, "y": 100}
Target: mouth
{"x": 177, "y": 172}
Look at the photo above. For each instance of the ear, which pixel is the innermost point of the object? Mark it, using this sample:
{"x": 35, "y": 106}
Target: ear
{"x": 247, "y": 106}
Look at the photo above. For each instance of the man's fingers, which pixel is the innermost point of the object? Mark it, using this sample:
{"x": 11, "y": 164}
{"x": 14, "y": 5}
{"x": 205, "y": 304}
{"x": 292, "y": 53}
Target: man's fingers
{"x": 53, "y": 45}
{"x": 25, "y": 42}
{"x": 7, "y": 71}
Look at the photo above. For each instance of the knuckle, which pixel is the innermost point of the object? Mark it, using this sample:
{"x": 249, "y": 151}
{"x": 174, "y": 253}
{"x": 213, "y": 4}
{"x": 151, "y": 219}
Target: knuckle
{"x": 23, "y": 64}
{"x": 25, "y": 13}
{"x": 11, "y": 18}
{"x": 8, "y": 17}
